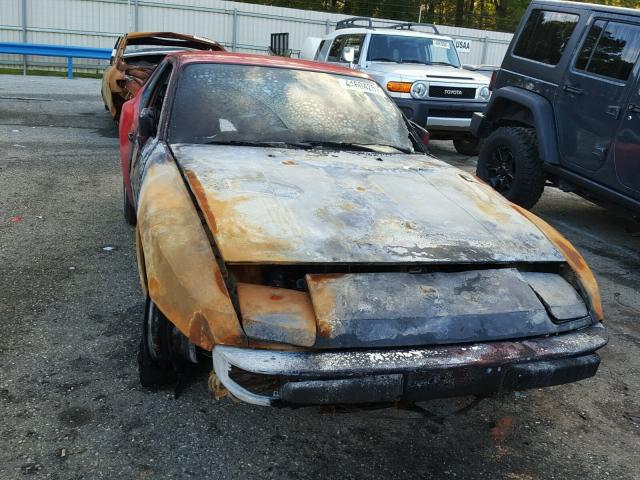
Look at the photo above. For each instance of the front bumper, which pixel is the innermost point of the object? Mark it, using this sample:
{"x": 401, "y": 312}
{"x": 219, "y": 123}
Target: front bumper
{"x": 413, "y": 374}
{"x": 440, "y": 115}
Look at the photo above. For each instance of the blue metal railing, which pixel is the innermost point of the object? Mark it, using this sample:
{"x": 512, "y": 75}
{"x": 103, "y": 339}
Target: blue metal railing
{"x": 68, "y": 51}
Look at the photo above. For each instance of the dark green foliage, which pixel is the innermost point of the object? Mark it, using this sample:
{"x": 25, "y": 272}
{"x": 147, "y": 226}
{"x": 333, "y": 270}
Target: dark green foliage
{"x": 500, "y": 15}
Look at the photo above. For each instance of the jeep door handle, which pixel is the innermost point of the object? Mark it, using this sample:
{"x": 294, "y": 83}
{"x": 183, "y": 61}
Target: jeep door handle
{"x": 572, "y": 89}
{"x": 634, "y": 108}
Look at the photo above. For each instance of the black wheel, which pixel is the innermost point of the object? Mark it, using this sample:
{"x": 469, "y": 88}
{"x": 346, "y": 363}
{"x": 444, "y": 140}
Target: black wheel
{"x": 129, "y": 211}
{"x": 509, "y": 162}
{"x": 467, "y": 145}
{"x": 155, "y": 365}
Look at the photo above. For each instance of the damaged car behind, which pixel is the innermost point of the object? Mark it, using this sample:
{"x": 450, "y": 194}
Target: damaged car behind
{"x": 292, "y": 231}
{"x": 134, "y": 57}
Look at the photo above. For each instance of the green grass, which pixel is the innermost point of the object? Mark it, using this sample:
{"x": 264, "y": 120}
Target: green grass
{"x": 49, "y": 73}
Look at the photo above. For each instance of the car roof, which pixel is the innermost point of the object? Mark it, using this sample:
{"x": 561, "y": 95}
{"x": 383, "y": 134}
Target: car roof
{"x": 136, "y": 38}
{"x": 586, "y": 6}
{"x": 262, "y": 61}
{"x": 386, "y": 31}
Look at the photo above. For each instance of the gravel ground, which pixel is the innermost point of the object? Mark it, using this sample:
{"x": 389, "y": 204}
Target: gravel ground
{"x": 70, "y": 311}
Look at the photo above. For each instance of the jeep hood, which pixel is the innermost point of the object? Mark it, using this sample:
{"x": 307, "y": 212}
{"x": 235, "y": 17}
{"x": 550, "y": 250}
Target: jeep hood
{"x": 434, "y": 73}
{"x": 284, "y": 206}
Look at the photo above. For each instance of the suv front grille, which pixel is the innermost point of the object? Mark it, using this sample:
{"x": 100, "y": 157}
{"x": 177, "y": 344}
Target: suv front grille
{"x": 451, "y": 92}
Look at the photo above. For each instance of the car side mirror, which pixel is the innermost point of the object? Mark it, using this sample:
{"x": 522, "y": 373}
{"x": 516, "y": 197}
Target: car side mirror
{"x": 147, "y": 123}
{"x": 348, "y": 54}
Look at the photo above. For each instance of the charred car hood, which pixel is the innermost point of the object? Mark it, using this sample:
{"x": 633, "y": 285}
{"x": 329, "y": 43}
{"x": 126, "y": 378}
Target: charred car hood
{"x": 269, "y": 205}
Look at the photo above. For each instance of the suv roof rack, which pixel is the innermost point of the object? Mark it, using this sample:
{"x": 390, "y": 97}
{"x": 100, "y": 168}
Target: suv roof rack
{"x": 366, "y": 22}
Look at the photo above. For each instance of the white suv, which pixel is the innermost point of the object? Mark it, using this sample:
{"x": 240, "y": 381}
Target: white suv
{"x": 420, "y": 70}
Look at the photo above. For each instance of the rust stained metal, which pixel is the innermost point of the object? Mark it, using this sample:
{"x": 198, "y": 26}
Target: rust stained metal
{"x": 183, "y": 277}
{"x": 215, "y": 385}
{"x": 324, "y": 301}
{"x": 577, "y": 263}
{"x": 348, "y": 207}
{"x": 277, "y": 314}
{"x": 216, "y": 210}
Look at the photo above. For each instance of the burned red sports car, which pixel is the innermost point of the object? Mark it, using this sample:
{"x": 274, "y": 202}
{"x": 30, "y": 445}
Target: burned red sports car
{"x": 291, "y": 228}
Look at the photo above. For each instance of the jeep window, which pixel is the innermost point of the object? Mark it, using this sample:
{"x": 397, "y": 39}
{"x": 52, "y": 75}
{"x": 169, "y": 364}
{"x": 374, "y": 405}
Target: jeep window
{"x": 223, "y": 103}
{"x": 610, "y": 49}
{"x": 322, "y": 50}
{"x": 405, "y": 49}
{"x": 339, "y": 44}
{"x": 545, "y": 36}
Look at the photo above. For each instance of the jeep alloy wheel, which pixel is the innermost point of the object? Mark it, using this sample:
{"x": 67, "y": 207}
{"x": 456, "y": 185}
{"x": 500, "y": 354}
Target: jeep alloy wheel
{"x": 509, "y": 162}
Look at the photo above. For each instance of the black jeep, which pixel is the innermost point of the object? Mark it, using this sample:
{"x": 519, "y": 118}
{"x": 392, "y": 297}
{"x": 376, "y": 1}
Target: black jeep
{"x": 565, "y": 107}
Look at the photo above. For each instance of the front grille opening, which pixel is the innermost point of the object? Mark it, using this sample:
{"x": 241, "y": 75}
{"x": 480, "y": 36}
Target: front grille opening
{"x": 256, "y": 383}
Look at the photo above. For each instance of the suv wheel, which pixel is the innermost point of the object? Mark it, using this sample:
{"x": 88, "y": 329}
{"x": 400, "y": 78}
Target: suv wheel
{"x": 467, "y": 145}
{"x": 509, "y": 162}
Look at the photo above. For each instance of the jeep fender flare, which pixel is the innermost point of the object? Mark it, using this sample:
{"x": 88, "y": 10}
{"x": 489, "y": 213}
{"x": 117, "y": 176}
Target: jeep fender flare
{"x": 541, "y": 116}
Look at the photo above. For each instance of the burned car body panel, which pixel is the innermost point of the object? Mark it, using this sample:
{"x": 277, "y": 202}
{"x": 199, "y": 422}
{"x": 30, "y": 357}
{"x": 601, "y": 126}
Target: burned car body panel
{"x": 584, "y": 276}
{"x": 180, "y": 269}
{"x": 277, "y": 314}
{"x": 129, "y": 71}
{"x": 322, "y": 275}
{"x": 405, "y": 309}
{"x": 285, "y": 206}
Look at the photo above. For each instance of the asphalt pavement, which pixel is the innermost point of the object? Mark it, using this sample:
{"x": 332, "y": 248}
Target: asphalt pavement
{"x": 71, "y": 406}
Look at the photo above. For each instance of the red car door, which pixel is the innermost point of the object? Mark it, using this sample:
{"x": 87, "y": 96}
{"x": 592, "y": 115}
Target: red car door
{"x": 127, "y": 133}
{"x": 128, "y": 129}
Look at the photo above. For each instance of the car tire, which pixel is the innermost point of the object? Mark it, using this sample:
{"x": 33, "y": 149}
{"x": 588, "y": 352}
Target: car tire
{"x": 509, "y": 162}
{"x": 155, "y": 367}
{"x": 467, "y": 145}
{"x": 128, "y": 210}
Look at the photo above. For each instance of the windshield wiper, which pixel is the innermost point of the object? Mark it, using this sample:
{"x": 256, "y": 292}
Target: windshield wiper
{"x": 247, "y": 143}
{"x": 309, "y": 144}
{"x": 360, "y": 147}
{"x": 442, "y": 63}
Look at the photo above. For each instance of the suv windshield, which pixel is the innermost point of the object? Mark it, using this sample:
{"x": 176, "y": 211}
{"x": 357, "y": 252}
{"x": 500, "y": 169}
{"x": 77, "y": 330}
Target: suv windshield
{"x": 246, "y": 104}
{"x": 405, "y": 49}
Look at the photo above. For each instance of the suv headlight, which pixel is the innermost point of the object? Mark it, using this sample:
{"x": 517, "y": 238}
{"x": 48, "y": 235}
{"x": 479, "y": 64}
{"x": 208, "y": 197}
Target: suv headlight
{"x": 419, "y": 89}
{"x": 484, "y": 93}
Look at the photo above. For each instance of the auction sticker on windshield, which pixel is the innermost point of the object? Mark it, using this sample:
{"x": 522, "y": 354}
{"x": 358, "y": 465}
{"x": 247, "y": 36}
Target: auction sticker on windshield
{"x": 361, "y": 86}
{"x": 441, "y": 44}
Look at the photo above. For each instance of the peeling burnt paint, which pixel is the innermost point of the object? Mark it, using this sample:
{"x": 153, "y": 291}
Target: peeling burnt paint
{"x": 577, "y": 263}
{"x": 277, "y": 314}
{"x": 402, "y": 309}
{"x": 183, "y": 278}
{"x": 346, "y": 207}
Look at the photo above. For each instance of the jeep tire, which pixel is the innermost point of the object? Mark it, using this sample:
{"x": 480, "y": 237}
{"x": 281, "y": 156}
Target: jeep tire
{"x": 509, "y": 162}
